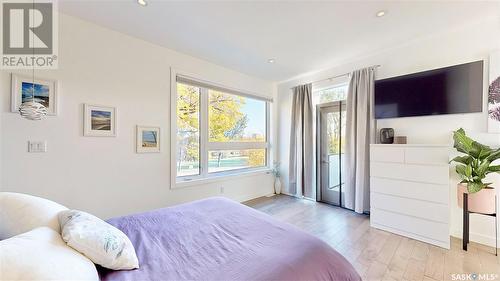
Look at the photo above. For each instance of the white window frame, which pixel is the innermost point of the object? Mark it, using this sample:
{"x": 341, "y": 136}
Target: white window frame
{"x": 205, "y": 145}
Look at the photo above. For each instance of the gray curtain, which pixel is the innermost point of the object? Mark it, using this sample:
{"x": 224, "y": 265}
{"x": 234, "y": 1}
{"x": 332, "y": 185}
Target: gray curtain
{"x": 360, "y": 132}
{"x": 301, "y": 142}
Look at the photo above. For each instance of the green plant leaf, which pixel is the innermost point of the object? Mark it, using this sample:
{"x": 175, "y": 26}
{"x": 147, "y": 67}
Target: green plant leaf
{"x": 493, "y": 169}
{"x": 495, "y": 155}
{"x": 474, "y": 187}
{"x": 462, "y": 159}
{"x": 480, "y": 151}
{"x": 484, "y": 153}
{"x": 461, "y": 142}
{"x": 461, "y": 170}
{"x": 468, "y": 171}
{"x": 481, "y": 170}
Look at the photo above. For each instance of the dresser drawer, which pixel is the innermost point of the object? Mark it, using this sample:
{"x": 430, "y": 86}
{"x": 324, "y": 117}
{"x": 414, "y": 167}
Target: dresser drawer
{"x": 438, "y": 193}
{"x": 412, "y": 207}
{"x": 411, "y": 225}
{"x": 435, "y": 174}
{"x": 427, "y": 155}
{"x": 387, "y": 154}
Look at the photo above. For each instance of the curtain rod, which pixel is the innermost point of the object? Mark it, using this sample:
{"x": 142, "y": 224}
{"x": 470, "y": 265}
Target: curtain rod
{"x": 337, "y": 76}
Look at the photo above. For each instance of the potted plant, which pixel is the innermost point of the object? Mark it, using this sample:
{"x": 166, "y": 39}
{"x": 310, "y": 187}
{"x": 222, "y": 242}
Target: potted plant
{"x": 277, "y": 175}
{"x": 473, "y": 168}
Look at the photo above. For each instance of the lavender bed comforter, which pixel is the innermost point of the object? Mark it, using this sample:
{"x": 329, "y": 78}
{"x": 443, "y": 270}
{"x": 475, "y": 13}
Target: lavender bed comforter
{"x": 218, "y": 239}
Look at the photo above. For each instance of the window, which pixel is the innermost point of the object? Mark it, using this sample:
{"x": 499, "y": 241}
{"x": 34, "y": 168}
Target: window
{"x": 219, "y": 131}
{"x": 330, "y": 94}
{"x": 188, "y": 130}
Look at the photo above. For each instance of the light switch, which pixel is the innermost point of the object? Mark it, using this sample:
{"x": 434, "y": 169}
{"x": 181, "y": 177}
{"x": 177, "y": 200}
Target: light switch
{"x": 37, "y": 146}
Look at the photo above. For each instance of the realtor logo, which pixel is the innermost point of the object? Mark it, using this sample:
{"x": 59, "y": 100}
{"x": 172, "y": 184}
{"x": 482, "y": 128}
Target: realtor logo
{"x": 29, "y": 33}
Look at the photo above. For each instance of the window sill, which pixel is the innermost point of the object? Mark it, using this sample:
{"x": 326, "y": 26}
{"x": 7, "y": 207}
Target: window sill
{"x": 221, "y": 177}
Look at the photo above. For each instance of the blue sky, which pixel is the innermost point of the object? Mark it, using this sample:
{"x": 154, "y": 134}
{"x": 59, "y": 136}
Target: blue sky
{"x": 256, "y": 112}
{"x": 40, "y": 90}
{"x": 102, "y": 114}
{"x": 149, "y": 136}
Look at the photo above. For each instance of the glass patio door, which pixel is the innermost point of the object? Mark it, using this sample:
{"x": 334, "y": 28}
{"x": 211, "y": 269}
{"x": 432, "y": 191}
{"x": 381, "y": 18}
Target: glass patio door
{"x": 332, "y": 126}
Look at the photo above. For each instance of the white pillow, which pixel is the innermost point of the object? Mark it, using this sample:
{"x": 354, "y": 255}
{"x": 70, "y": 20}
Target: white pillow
{"x": 101, "y": 242}
{"x": 41, "y": 254}
{"x": 21, "y": 212}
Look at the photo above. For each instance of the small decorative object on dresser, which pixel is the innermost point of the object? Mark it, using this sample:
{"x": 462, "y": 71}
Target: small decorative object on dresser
{"x": 148, "y": 139}
{"x": 99, "y": 121}
{"x": 387, "y": 135}
{"x": 473, "y": 195}
{"x": 27, "y": 89}
{"x": 277, "y": 175}
{"x": 400, "y": 140}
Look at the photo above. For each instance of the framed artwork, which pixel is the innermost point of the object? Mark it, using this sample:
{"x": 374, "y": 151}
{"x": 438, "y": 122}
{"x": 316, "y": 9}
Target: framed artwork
{"x": 494, "y": 94}
{"x": 148, "y": 139}
{"x": 43, "y": 91}
{"x": 99, "y": 121}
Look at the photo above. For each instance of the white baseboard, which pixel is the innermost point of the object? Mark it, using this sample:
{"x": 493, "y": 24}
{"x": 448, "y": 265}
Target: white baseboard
{"x": 475, "y": 237}
{"x": 289, "y": 194}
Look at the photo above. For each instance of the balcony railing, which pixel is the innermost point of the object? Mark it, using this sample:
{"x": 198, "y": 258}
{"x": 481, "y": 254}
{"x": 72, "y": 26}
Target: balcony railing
{"x": 334, "y": 170}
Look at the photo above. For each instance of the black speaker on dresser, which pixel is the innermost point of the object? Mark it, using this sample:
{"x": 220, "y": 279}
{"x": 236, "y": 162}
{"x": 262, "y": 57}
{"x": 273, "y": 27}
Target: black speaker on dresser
{"x": 387, "y": 135}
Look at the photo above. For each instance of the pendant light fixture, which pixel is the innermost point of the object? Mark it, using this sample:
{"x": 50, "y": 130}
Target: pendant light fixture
{"x": 33, "y": 110}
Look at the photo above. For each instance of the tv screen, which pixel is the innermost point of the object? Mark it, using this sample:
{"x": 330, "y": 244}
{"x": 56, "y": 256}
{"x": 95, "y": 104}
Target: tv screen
{"x": 449, "y": 90}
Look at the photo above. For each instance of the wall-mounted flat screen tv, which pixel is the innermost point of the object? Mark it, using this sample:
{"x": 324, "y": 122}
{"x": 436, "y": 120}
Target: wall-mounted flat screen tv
{"x": 449, "y": 90}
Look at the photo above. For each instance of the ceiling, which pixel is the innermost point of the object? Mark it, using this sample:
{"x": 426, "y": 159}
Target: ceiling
{"x": 301, "y": 36}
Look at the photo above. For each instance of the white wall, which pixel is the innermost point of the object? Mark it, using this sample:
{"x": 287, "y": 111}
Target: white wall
{"x": 104, "y": 175}
{"x": 464, "y": 44}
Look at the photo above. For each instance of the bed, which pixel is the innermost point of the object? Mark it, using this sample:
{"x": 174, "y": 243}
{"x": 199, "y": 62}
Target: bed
{"x": 218, "y": 239}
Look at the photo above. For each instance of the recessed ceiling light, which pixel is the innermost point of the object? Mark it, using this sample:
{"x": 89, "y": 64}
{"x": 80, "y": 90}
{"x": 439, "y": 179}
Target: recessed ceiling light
{"x": 270, "y": 60}
{"x": 381, "y": 13}
{"x": 142, "y": 2}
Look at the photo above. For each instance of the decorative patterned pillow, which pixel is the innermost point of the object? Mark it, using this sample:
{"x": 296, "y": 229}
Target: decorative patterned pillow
{"x": 101, "y": 242}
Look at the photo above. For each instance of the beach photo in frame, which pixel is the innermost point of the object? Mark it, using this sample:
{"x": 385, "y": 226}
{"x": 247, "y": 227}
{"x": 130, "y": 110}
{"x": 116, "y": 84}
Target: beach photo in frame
{"x": 99, "y": 121}
{"x": 24, "y": 89}
{"x": 148, "y": 139}
{"x": 494, "y": 94}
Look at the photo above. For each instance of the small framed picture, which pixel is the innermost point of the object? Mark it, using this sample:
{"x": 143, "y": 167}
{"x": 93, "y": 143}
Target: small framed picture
{"x": 40, "y": 90}
{"x": 99, "y": 121}
{"x": 148, "y": 139}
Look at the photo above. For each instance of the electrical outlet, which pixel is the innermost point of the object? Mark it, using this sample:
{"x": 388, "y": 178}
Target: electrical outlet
{"x": 37, "y": 146}
{"x": 221, "y": 189}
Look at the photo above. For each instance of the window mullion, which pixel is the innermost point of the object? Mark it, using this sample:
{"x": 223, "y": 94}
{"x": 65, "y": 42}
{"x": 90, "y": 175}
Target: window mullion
{"x": 268, "y": 135}
{"x": 204, "y": 132}
{"x": 237, "y": 145}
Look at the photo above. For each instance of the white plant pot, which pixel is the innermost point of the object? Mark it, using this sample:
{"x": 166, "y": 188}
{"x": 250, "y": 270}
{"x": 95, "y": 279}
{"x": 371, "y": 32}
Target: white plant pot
{"x": 277, "y": 185}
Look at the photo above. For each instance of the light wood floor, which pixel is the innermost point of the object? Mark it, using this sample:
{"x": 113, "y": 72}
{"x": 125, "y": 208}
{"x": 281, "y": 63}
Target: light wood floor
{"x": 376, "y": 254}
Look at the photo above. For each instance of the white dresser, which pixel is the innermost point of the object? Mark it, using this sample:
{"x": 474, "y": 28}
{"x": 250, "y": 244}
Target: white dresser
{"x": 410, "y": 191}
